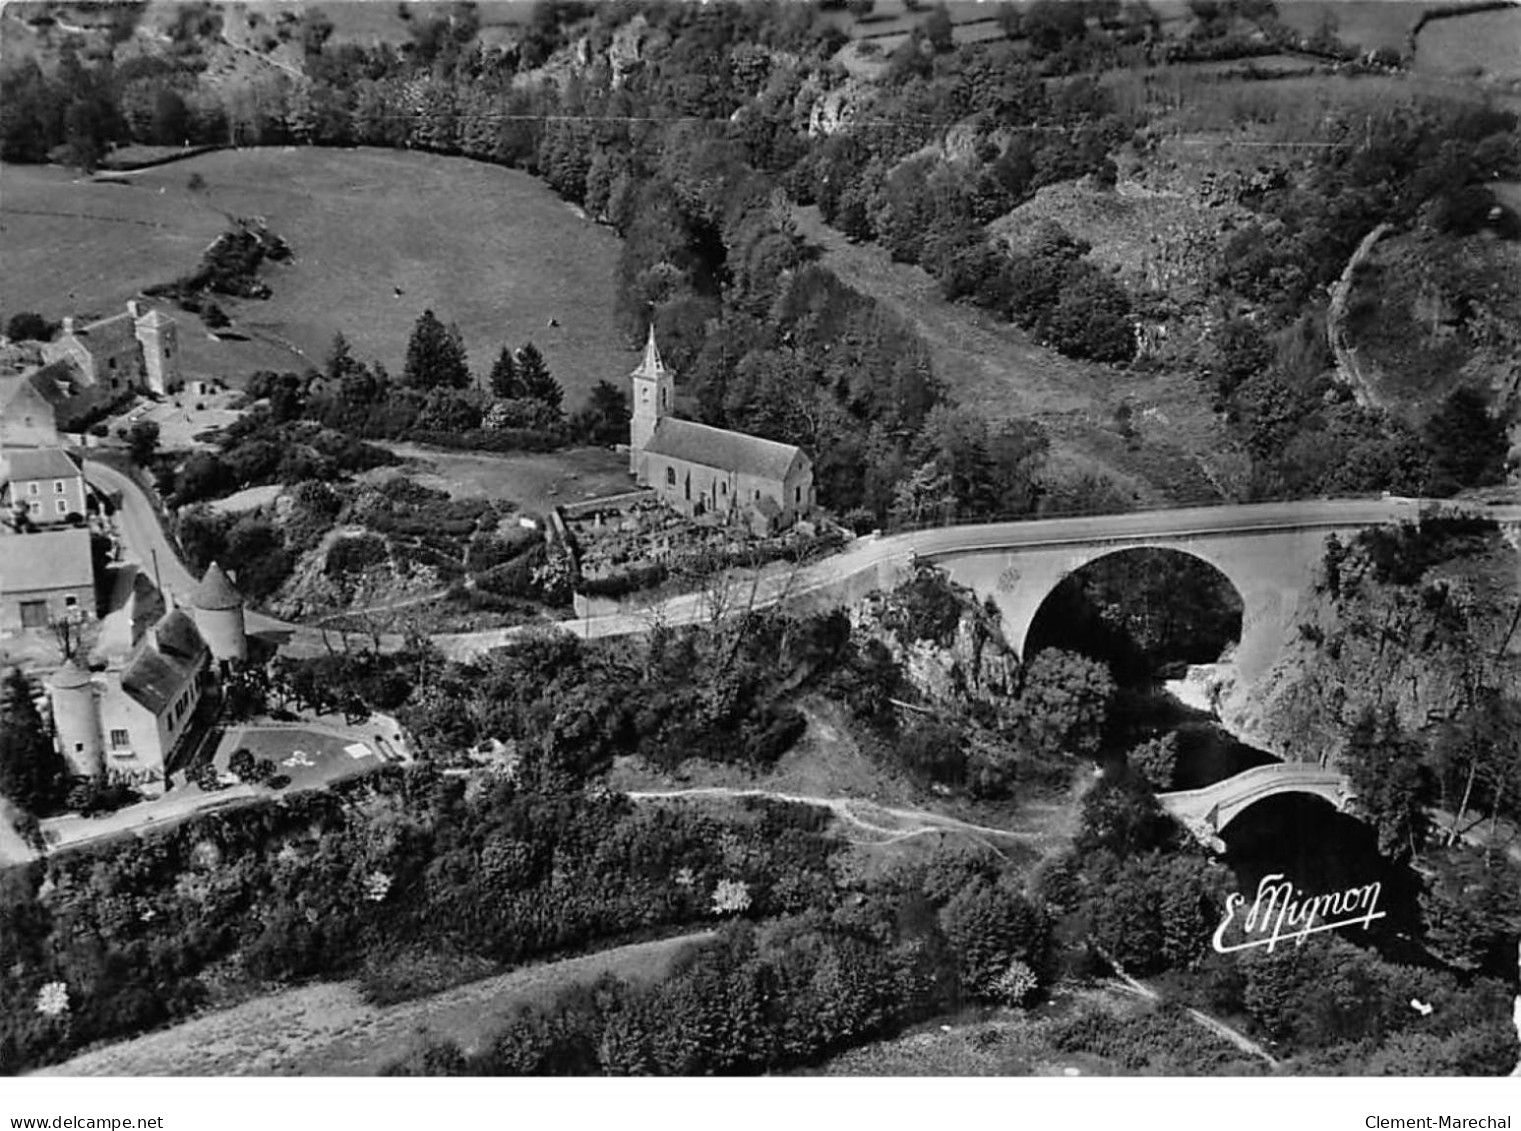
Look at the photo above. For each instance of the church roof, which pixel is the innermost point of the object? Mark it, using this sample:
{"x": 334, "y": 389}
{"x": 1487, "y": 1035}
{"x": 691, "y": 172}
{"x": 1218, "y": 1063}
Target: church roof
{"x": 165, "y": 663}
{"x": 650, "y": 365}
{"x": 719, "y": 448}
{"x": 216, "y": 592}
{"x": 52, "y": 559}
{"x": 40, "y": 463}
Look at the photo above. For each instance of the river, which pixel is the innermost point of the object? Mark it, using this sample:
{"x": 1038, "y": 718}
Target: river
{"x": 1298, "y": 836}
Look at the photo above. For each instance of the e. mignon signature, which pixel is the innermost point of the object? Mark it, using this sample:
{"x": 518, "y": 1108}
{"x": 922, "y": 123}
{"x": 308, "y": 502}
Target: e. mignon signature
{"x": 1281, "y": 911}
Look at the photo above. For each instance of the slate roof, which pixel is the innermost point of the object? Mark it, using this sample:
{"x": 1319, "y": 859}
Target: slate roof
{"x": 109, "y": 335}
{"x": 650, "y": 365}
{"x": 71, "y": 676}
{"x": 41, "y": 463}
{"x": 165, "y": 663}
{"x": 57, "y": 381}
{"x": 216, "y": 592}
{"x": 721, "y": 449}
{"x": 53, "y": 382}
{"x": 55, "y": 559}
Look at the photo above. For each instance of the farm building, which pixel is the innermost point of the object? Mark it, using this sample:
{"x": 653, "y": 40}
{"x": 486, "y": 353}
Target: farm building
{"x": 45, "y": 577}
{"x": 28, "y": 414}
{"x": 42, "y": 485}
{"x": 698, "y": 469}
{"x": 138, "y": 349}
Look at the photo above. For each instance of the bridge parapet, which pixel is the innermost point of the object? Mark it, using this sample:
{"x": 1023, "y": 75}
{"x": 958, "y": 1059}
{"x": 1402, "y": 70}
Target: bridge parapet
{"x": 1206, "y": 812}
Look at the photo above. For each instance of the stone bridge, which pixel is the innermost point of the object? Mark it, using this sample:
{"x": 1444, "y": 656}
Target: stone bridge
{"x": 1268, "y": 551}
{"x": 1206, "y": 812}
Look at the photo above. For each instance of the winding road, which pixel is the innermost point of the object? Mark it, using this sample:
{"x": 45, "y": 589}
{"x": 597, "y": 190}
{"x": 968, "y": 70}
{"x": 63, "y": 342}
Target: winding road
{"x": 863, "y": 560}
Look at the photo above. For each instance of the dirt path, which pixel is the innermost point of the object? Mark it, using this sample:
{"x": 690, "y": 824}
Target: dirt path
{"x": 330, "y": 1030}
{"x": 1214, "y": 1025}
{"x": 882, "y": 824}
{"x": 1347, "y": 369}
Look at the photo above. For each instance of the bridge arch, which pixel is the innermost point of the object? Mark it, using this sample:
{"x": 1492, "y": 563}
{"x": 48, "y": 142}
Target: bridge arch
{"x": 1268, "y": 566}
{"x": 1208, "y": 811}
{"x": 1168, "y": 603}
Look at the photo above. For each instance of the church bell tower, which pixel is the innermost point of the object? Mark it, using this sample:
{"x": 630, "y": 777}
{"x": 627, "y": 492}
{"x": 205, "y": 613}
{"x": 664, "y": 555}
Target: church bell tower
{"x": 654, "y": 390}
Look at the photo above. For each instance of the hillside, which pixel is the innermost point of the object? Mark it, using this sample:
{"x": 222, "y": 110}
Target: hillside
{"x": 377, "y": 236}
{"x": 1176, "y": 449}
{"x": 1427, "y": 314}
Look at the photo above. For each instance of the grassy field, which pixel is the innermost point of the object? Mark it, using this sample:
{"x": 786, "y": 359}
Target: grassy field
{"x": 1367, "y": 24}
{"x": 328, "y": 1029}
{"x": 489, "y": 248}
{"x": 533, "y": 482}
{"x": 1483, "y": 43}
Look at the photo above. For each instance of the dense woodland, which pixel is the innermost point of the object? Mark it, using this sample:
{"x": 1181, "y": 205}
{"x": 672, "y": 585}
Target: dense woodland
{"x": 494, "y": 853}
{"x": 687, "y": 129}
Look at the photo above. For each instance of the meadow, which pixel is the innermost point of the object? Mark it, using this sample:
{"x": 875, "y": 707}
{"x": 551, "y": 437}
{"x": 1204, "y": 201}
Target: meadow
{"x": 1481, "y": 43}
{"x": 378, "y": 236}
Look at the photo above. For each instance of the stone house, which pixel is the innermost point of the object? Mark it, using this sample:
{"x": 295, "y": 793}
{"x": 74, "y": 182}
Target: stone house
{"x": 45, "y": 577}
{"x": 28, "y": 416}
{"x": 130, "y": 722}
{"x": 698, "y": 469}
{"x": 42, "y": 483}
{"x": 138, "y": 349}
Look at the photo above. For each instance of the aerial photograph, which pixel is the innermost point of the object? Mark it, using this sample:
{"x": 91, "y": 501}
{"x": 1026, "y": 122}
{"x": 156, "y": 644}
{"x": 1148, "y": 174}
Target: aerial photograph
{"x": 760, "y": 538}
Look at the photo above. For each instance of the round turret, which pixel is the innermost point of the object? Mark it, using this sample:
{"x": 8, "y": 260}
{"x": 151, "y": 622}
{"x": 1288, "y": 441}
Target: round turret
{"x": 76, "y": 720}
{"x": 218, "y": 609}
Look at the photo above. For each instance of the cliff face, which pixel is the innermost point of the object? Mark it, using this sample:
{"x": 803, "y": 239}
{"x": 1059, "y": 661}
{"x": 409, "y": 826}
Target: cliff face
{"x": 950, "y": 647}
{"x": 1425, "y": 646}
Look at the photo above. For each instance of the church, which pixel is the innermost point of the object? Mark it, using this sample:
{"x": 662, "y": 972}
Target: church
{"x": 698, "y": 469}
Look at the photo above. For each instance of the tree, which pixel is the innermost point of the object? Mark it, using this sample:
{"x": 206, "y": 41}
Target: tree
{"x": 1121, "y": 814}
{"x": 1157, "y": 760}
{"x": 32, "y": 773}
{"x": 1063, "y": 702}
{"x": 991, "y": 925}
{"x": 1391, "y": 785}
{"x": 340, "y": 362}
{"x": 938, "y": 29}
{"x": 242, "y": 763}
{"x": 142, "y": 441}
{"x": 535, "y": 378}
{"x": 605, "y": 418}
{"x": 504, "y": 381}
{"x": 26, "y": 326}
{"x": 435, "y": 356}
{"x": 1468, "y": 445}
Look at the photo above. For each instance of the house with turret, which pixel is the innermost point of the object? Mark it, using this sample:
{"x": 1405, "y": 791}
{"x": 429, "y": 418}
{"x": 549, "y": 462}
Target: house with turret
{"x": 132, "y": 721}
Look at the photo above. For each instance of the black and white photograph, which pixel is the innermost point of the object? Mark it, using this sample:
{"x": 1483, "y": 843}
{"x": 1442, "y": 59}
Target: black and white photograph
{"x": 804, "y": 539}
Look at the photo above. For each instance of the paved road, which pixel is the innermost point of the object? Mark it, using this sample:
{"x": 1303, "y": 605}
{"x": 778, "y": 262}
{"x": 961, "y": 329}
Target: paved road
{"x": 142, "y": 533}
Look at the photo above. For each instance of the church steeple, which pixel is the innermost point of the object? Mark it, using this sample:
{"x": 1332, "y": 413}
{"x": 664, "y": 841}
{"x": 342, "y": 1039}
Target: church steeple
{"x": 654, "y": 386}
{"x": 651, "y": 367}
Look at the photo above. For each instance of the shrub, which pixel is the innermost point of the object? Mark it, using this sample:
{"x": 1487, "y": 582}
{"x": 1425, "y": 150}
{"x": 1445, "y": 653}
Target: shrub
{"x": 354, "y": 554}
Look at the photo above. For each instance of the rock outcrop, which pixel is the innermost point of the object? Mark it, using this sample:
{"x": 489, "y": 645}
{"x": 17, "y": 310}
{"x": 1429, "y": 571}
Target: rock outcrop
{"x": 949, "y": 645}
{"x": 1424, "y": 648}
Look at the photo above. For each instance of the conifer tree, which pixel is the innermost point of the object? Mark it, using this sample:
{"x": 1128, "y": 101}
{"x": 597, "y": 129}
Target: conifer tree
{"x": 504, "y": 377}
{"x": 435, "y": 356}
{"x": 32, "y": 774}
{"x": 535, "y": 379}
